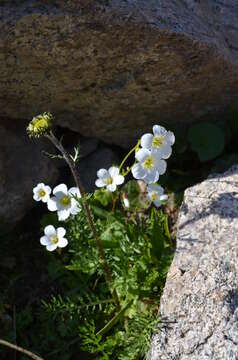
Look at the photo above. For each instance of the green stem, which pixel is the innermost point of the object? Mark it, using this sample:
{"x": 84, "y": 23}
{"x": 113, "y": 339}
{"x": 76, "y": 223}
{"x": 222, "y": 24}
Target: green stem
{"x": 128, "y": 155}
{"x": 74, "y": 172}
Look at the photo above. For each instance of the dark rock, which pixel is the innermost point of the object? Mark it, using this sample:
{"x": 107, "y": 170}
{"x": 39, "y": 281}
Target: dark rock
{"x": 22, "y": 166}
{"x": 111, "y": 69}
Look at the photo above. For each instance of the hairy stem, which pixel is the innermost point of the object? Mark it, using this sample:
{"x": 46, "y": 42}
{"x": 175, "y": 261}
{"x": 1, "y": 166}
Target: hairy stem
{"x": 74, "y": 172}
{"x": 20, "y": 349}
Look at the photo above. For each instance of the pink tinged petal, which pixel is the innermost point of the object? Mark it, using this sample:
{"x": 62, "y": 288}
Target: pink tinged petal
{"x": 112, "y": 187}
{"x": 52, "y": 204}
{"x": 142, "y": 154}
{"x": 50, "y": 230}
{"x": 151, "y": 177}
{"x": 159, "y": 130}
{"x": 138, "y": 172}
{"x": 102, "y": 173}
{"x": 51, "y": 247}
{"x": 157, "y": 203}
{"x": 60, "y": 232}
{"x": 113, "y": 171}
{"x": 62, "y": 188}
{"x": 44, "y": 240}
{"x": 119, "y": 179}
{"x": 146, "y": 141}
{"x": 100, "y": 183}
{"x": 63, "y": 214}
{"x": 62, "y": 242}
{"x": 170, "y": 138}
{"x": 161, "y": 168}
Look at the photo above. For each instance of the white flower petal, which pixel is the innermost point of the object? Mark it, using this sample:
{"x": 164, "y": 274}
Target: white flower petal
{"x": 44, "y": 240}
{"x": 146, "y": 141}
{"x": 170, "y": 138}
{"x": 100, "y": 183}
{"x": 159, "y": 130}
{"x": 63, "y": 214}
{"x": 164, "y": 197}
{"x": 52, "y": 204}
{"x": 37, "y": 197}
{"x": 48, "y": 189}
{"x": 62, "y": 242}
{"x": 151, "y": 177}
{"x": 112, "y": 187}
{"x": 161, "y": 167}
{"x": 45, "y": 199}
{"x": 102, "y": 173}
{"x": 157, "y": 203}
{"x": 119, "y": 179}
{"x": 113, "y": 171}
{"x": 74, "y": 191}
{"x": 138, "y": 172}
{"x": 62, "y": 188}
{"x": 49, "y": 230}
{"x": 75, "y": 209}
{"x": 142, "y": 154}
{"x": 155, "y": 188}
{"x": 60, "y": 232}
{"x": 51, "y": 247}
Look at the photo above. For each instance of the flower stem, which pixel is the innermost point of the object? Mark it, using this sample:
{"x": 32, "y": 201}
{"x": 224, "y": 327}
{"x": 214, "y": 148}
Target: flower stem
{"x": 128, "y": 155}
{"x": 74, "y": 172}
{"x": 20, "y": 349}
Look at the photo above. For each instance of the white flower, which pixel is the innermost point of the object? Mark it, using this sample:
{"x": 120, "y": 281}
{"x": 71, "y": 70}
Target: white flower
{"x": 149, "y": 167}
{"x": 63, "y": 202}
{"x": 156, "y": 194}
{"x": 41, "y": 192}
{"x": 161, "y": 141}
{"x": 53, "y": 238}
{"x": 109, "y": 178}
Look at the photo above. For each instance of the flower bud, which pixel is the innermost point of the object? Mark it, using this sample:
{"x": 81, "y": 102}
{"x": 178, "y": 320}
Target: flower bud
{"x": 40, "y": 125}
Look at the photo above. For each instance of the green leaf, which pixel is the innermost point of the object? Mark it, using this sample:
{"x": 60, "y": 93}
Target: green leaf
{"x": 207, "y": 140}
{"x": 103, "y": 196}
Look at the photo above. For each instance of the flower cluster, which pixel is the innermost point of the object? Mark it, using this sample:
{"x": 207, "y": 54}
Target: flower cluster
{"x": 155, "y": 148}
{"x": 65, "y": 203}
{"x": 150, "y": 164}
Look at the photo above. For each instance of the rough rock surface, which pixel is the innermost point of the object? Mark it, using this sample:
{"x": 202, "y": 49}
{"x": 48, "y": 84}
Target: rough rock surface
{"x": 199, "y": 306}
{"x": 22, "y": 166}
{"x": 111, "y": 68}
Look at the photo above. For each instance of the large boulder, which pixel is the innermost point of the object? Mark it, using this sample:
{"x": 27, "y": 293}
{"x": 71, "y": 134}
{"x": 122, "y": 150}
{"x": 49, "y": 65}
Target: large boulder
{"x": 199, "y": 306}
{"x": 111, "y": 68}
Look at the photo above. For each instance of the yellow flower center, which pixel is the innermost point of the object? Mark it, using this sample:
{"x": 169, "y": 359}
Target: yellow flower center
{"x": 40, "y": 124}
{"x": 158, "y": 141}
{"x": 65, "y": 200}
{"x": 154, "y": 197}
{"x": 42, "y": 193}
{"x": 109, "y": 181}
{"x": 149, "y": 163}
{"x": 54, "y": 239}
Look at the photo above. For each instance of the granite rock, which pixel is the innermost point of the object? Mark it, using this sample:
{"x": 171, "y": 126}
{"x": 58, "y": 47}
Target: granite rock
{"x": 199, "y": 305}
{"x": 111, "y": 69}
